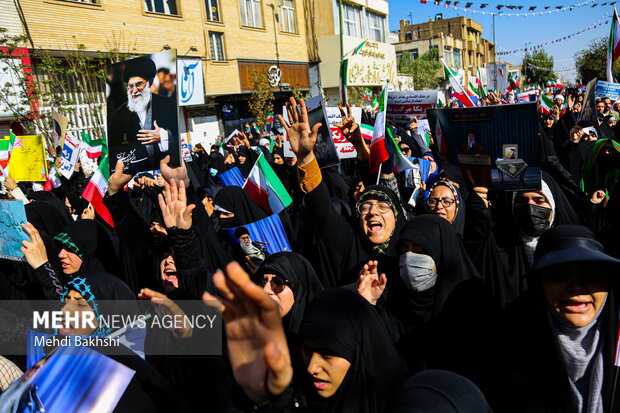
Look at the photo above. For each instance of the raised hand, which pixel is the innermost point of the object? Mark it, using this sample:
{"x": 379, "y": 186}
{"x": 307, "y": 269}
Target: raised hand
{"x": 88, "y": 212}
{"x": 118, "y": 179}
{"x": 598, "y": 197}
{"x": 300, "y": 135}
{"x": 165, "y": 306}
{"x": 174, "y": 208}
{"x": 257, "y": 345}
{"x": 178, "y": 174}
{"x": 370, "y": 285}
{"x": 350, "y": 129}
{"x": 34, "y": 250}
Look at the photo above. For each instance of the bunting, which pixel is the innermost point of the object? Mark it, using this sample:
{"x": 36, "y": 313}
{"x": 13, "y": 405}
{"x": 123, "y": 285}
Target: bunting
{"x": 531, "y": 9}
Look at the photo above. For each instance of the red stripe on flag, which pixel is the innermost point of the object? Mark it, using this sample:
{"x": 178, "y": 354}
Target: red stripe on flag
{"x": 258, "y": 194}
{"x": 92, "y": 195}
{"x": 378, "y": 155}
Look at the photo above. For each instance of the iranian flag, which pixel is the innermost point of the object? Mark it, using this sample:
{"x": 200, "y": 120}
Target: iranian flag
{"x": 401, "y": 163}
{"x": 459, "y": 92}
{"x": 512, "y": 83}
{"x": 5, "y": 152}
{"x": 265, "y": 188}
{"x": 94, "y": 147}
{"x": 366, "y": 131}
{"x": 96, "y": 189}
{"x": 52, "y": 180}
{"x": 545, "y": 103}
{"x": 378, "y": 151}
{"x": 613, "y": 49}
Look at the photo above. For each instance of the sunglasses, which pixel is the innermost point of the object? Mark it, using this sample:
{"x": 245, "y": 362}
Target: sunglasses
{"x": 276, "y": 284}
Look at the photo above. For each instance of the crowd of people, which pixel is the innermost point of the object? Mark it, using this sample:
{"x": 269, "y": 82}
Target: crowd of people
{"x": 472, "y": 300}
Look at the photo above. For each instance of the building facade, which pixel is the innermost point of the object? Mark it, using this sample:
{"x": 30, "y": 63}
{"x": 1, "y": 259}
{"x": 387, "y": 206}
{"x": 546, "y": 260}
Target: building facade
{"x": 234, "y": 40}
{"x": 458, "y": 41}
{"x": 362, "y": 20}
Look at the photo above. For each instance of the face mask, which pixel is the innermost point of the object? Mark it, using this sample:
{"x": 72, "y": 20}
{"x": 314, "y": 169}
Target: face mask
{"x": 533, "y": 219}
{"x": 416, "y": 270}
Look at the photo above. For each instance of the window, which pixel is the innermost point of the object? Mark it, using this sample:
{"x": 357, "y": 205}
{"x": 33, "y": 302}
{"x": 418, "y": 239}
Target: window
{"x": 413, "y": 53}
{"x": 447, "y": 55}
{"x": 213, "y": 11}
{"x": 251, "y": 13}
{"x": 376, "y": 27}
{"x": 287, "y": 16}
{"x": 456, "y": 54}
{"x": 351, "y": 21}
{"x": 161, "y": 6}
{"x": 216, "y": 41}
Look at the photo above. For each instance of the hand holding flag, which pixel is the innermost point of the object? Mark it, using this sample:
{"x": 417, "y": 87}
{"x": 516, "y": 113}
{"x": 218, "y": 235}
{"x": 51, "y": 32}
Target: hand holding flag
{"x": 301, "y": 137}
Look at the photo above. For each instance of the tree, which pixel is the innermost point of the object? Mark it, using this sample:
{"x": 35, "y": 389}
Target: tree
{"x": 591, "y": 62}
{"x": 74, "y": 84}
{"x": 261, "y": 101}
{"x": 537, "y": 67}
{"x": 423, "y": 69}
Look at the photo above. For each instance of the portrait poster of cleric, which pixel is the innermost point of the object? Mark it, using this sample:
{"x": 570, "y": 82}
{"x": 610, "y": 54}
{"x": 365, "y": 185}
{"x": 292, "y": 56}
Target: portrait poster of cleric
{"x": 142, "y": 112}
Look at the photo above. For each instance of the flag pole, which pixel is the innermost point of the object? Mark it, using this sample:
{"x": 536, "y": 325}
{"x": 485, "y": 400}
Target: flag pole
{"x": 385, "y": 100}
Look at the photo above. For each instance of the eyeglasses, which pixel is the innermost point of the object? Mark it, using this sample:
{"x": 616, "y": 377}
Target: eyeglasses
{"x": 446, "y": 202}
{"x": 382, "y": 206}
{"x": 405, "y": 149}
{"x": 276, "y": 284}
{"x": 138, "y": 85}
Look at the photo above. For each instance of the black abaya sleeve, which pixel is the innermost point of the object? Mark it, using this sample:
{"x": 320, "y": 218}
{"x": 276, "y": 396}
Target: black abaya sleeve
{"x": 194, "y": 279}
{"x": 481, "y": 247}
{"x": 137, "y": 250}
{"x": 336, "y": 250}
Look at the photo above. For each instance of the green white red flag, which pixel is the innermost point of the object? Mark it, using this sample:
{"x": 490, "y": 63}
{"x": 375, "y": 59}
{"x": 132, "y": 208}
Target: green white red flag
{"x": 96, "y": 189}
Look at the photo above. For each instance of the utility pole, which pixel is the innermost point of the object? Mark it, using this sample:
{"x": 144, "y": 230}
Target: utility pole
{"x": 494, "y": 54}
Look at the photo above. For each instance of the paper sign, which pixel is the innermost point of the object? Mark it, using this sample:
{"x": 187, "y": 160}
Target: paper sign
{"x": 12, "y": 216}
{"x": 28, "y": 159}
{"x": 70, "y": 155}
{"x": 404, "y": 107}
{"x": 343, "y": 146}
{"x": 232, "y": 135}
{"x": 60, "y": 123}
{"x": 607, "y": 90}
{"x": 186, "y": 149}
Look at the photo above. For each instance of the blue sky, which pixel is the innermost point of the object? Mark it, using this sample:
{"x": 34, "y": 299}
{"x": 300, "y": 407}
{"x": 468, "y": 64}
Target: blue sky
{"x": 513, "y": 32}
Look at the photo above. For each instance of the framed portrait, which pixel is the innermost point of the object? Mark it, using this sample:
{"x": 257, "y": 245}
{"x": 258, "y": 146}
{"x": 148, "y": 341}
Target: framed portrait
{"x": 511, "y": 151}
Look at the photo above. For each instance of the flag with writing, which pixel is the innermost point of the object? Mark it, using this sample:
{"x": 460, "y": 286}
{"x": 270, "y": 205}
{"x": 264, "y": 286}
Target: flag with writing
{"x": 52, "y": 180}
{"x": 545, "y": 103}
{"x": 378, "y": 151}
{"x": 613, "y": 48}
{"x": 5, "y": 152}
{"x": 459, "y": 93}
{"x": 265, "y": 188}
{"x": 93, "y": 147}
{"x": 95, "y": 191}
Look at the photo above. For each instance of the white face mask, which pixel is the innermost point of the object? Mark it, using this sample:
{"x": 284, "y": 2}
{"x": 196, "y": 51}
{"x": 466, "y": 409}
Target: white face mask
{"x": 416, "y": 270}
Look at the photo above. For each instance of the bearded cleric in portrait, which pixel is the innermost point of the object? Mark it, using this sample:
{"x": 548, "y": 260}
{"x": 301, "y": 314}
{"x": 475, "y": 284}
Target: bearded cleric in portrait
{"x": 144, "y": 129}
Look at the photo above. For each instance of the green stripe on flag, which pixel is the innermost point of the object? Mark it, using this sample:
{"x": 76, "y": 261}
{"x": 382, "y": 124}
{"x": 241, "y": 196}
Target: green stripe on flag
{"x": 12, "y": 137}
{"x": 5, "y": 144}
{"x": 274, "y": 182}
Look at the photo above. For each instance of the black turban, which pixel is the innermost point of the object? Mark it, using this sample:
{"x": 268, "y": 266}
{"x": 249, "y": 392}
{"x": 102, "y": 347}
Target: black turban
{"x": 142, "y": 67}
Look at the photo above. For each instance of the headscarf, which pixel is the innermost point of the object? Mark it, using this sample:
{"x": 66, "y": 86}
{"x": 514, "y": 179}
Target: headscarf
{"x": 438, "y": 391}
{"x": 236, "y": 200}
{"x": 97, "y": 287}
{"x": 437, "y": 237}
{"x": 91, "y": 243}
{"x": 459, "y": 215}
{"x": 304, "y": 282}
{"x": 384, "y": 193}
{"x": 595, "y": 175}
{"x": 344, "y": 323}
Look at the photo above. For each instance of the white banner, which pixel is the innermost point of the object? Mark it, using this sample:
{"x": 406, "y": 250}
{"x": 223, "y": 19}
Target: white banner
{"x": 343, "y": 146}
{"x": 191, "y": 82}
{"x": 403, "y": 107}
{"x": 70, "y": 155}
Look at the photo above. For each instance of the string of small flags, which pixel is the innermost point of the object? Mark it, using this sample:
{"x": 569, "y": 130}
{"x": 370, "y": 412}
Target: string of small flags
{"x": 559, "y": 40}
{"x": 530, "y": 9}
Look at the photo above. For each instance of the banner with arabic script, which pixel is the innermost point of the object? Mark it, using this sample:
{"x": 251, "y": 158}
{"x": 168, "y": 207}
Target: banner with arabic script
{"x": 28, "y": 159}
{"x": 403, "y": 107}
{"x": 344, "y": 148}
{"x": 12, "y": 216}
